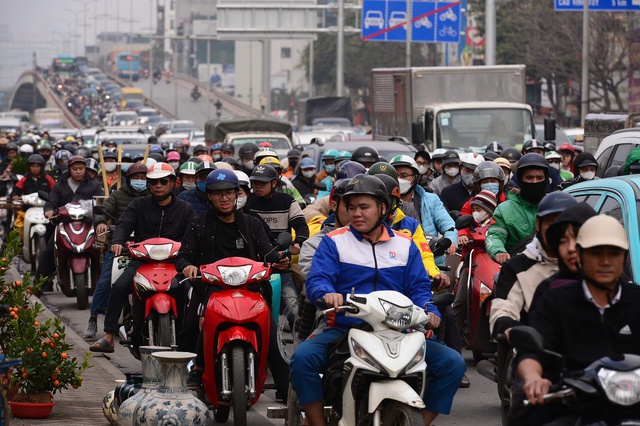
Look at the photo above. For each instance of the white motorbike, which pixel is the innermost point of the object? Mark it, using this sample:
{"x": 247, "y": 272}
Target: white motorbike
{"x": 35, "y": 226}
{"x": 382, "y": 380}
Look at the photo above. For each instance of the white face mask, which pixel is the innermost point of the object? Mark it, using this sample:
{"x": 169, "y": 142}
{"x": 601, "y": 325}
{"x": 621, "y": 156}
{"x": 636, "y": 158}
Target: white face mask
{"x": 480, "y": 217}
{"x": 240, "y": 202}
{"x": 308, "y": 173}
{"x": 174, "y": 164}
{"x": 248, "y": 164}
{"x": 452, "y": 171}
{"x": 216, "y": 157}
{"x": 405, "y": 185}
{"x": 507, "y": 178}
{"x": 587, "y": 175}
{"x": 189, "y": 185}
{"x": 423, "y": 169}
{"x": 109, "y": 167}
{"x": 555, "y": 165}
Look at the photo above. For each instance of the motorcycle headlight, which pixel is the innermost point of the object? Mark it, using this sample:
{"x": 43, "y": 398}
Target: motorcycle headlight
{"x": 234, "y": 275}
{"x": 397, "y": 317}
{"x": 159, "y": 251}
{"x": 209, "y": 277}
{"x": 418, "y": 357}
{"x": 363, "y": 355}
{"x": 621, "y": 387}
{"x": 260, "y": 275}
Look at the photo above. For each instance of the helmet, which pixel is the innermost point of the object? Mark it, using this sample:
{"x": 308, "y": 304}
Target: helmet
{"x": 215, "y": 147}
{"x": 205, "y": 157}
{"x": 343, "y": 155}
{"x": 45, "y": 146}
{"x": 83, "y": 152}
{"x": 196, "y": 160}
{"x": 585, "y": 159}
{"x": 263, "y": 153}
{"x": 223, "y": 165}
{"x": 92, "y": 164}
{"x": 160, "y": 170}
{"x": 155, "y": 148}
{"x": 488, "y": 169}
{"x": 555, "y": 202}
{"x": 438, "y": 154}
{"x": 243, "y": 179}
{"x": 222, "y": 179}
{"x": 248, "y": 149}
{"x": 349, "y": 169}
{"x": 188, "y": 168}
{"x": 511, "y": 154}
{"x": 393, "y": 189}
{"x": 471, "y": 160}
{"x": 307, "y": 163}
{"x": 199, "y": 148}
{"x": 26, "y": 149}
{"x": 532, "y": 144}
{"x": 164, "y": 145}
{"x": 450, "y": 157}
{"x": 12, "y": 146}
{"x": 382, "y": 168}
{"x": 173, "y": 156}
{"x": 136, "y": 168}
{"x": 231, "y": 161}
{"x": 330, "y": 154}
{"x": 368, "y": 185}
{"x": 494, "y": 147}
{"x": 152, "y": 139}
{"x": 157, "y": 156}
{"x": 552, "y": 155}
{"x": 206, "y": 167}
{"x": 226, "y": 147}
{"x": 70, "y": 139}
{"x": 35, "y": 159}
{"x": 274, "y": 162}
{"x": 602, "y": 230}
{"x": 339, "y": 188}
{"x": 265, "y": 144}
{"x": 109, "y": 154}
{"x": 179, "y": 144}
{"x": 490, "y": 155}
{"x": 63, "y": 154}
{"x": 404, "y": 161}
{"x": 114, "y": 143}
{"x": 264, "y": 173}
{"x": 150, "y": 162}
{"x": 532, "y": 160}
{"x": 75, "y": 159}
{"x": 293, "y": 153}
{"x": 502, "y": 162}
{"x": 549, "y": 146}
{"x": 567, "y": 147}
{"x": 365, "y": 154}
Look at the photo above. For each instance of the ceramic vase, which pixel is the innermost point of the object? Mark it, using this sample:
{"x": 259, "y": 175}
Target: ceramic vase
{"x": 109, "y": 409}
{"x": 172, "y": 403}
{"x": 126, "y": 389}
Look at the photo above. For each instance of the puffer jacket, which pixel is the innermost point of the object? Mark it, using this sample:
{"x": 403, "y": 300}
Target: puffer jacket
{"x": 117, "y": 203}
{"x": 199, "y": 202}
{"x": 515, "y": 220}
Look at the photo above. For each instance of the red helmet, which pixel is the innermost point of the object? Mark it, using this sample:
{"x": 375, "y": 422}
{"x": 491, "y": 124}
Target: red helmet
{"x": 566, "y": 147}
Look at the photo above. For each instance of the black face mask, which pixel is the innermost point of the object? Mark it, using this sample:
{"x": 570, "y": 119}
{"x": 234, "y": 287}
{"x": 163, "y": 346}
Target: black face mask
{"x": 533, "y": 192}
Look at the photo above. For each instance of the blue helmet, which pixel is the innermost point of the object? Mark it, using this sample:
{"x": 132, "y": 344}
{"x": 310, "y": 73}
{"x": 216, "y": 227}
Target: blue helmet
{"x": 155, "y": 148}
{"x": 555, "y": 202}
{"x": 307, "y": 163}
{"x": 349, "y": 169}
{"x": 215, "y": 146}
{"x": 222, "y": 179}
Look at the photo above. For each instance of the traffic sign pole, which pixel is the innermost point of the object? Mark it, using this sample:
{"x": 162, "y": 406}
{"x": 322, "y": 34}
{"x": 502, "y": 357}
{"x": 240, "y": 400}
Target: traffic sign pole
{"x": 585, "y": 64}
{"x": 409, "y": 25}
{"x": 490, "y": 34}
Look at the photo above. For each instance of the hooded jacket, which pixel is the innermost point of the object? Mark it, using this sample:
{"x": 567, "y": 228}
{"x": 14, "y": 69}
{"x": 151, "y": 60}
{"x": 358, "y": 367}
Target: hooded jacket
{"x": 515, "y": 220}
{"x": 580, "y": 158}
{"x": 61, "y": 193}
{"x": 434, "y": 217}
{"x": 634, "y": 156}
{"x": 118, "y": 202}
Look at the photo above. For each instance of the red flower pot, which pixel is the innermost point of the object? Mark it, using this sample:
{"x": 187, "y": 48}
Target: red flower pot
{"x": 26, "y": 410}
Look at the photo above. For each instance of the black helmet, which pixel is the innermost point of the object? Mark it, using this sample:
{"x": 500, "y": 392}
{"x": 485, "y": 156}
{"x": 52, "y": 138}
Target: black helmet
{"x": 451, "y": 157}
{"x": 349, "y": 169}
{"x": 488, "y": 169}
{"x": 365, "y": 154}
{"x": 339, "y": 188}
{"x": 549, "y": 146}
{"x": 45, "y": 146}
{"x": 393, "y": 188}
{"x": 226, "y": 147}
{"x": 555, "y": 202}
{"x": 264, "y": 173}
{"x": 532, "y": 160}
{"x": 205, "y": 168}
{"x": 152, "y": 139}
{"x": 35, "y": 159}
{"x": 12, "y": 146}
{"x": 532, "y": 144}
{"x": 368, "y": 185}
{"x": 494, "y": 147}
{"x": 109, "y": 154}
{"x": 199, "y": 148}
{"x": 490, "y": 155}
{"x": 511, "y": 154}
{"x": 136, "y": 168}
{"x": 248, "y": 149}
{"x": 196, "y": 160}
{"x": 293, "y": 153}
{"x": 382, "y": 168}
{"x": 157, "y": 156}
{"x": 164, "y": 145}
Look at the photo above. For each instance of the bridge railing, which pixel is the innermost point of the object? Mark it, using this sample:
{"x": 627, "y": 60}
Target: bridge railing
{"x": 147, "y": 101}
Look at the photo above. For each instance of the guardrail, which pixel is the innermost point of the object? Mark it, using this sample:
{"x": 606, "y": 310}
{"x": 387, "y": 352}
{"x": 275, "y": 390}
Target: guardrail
{"x": 147, "y": 101}
{"x": 69, "y": 117}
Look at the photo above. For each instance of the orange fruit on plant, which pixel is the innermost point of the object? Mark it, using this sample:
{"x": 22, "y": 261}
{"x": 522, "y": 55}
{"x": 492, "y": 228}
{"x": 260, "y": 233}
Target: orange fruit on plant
{"x": 64, "y": 355}
{"x": 44, "y": 355}
{"x": 36, "y": 323}
{"x": 56, "y": 335}
{"x": 56, "y": 383}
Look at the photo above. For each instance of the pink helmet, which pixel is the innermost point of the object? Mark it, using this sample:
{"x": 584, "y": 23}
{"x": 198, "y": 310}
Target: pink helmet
{"x": 173, "y": 156}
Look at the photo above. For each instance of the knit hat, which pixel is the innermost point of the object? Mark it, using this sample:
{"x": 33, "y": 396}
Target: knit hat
{"x": 485, "y": 200}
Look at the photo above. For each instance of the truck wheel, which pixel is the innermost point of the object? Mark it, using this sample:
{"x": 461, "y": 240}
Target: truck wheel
{"x": 82, "y": 292}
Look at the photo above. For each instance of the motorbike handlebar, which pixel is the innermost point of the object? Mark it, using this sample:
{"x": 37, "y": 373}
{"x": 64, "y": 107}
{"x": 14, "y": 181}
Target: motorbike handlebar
{"x": 187, "y": 279}
{"x": 561, "y": 394}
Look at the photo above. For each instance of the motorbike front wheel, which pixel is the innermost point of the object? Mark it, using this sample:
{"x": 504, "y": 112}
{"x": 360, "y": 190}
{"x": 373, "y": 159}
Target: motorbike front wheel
{"x": 398, "y": 414}
{"x": 287, "y": 337}
{"x": 221, "y": 414}
{"x": 164, "y": 334}
{"x": 82, "y": 291}
{"x": 238, "y": 388}
{"x": 39, "y": 244}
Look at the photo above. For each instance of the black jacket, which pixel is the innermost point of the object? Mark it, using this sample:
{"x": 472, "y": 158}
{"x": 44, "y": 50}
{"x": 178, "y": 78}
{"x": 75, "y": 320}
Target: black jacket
{"x": 454, "y": 196}
{"x": 148, "y": 219}
{"x": 61, "y": 193}
{"x": 305, "y": 186}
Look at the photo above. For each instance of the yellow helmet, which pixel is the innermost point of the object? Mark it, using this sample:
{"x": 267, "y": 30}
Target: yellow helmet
{"x": 70, "y": 139}
{"x": 273, "y": 162}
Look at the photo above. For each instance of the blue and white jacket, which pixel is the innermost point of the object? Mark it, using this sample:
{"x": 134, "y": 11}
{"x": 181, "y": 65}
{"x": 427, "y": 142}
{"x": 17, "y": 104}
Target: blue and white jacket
{"x": 345, "y": 259}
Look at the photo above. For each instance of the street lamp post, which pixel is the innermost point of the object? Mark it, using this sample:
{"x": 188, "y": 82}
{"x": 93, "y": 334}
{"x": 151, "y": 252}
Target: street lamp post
{"x": 85, "y": 5}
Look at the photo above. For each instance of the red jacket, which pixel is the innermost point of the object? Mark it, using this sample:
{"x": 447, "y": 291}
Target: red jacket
{"x": 466, "y": 210}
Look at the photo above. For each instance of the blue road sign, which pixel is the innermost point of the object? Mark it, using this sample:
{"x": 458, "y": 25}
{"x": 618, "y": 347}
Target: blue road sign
{"x": 432, "y": 21}
{"x": 598, "y": 5}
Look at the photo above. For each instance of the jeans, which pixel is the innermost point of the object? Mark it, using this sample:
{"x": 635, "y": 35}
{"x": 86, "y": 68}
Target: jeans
{"x": 445, "y": 368}
{"x": 103, "y": 286}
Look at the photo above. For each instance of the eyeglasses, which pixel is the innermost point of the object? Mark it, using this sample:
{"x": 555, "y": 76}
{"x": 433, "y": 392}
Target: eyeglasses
{"x": 407, "y": 176}
{"x": 220, "y": 194}
{"x": 163, "y": 181}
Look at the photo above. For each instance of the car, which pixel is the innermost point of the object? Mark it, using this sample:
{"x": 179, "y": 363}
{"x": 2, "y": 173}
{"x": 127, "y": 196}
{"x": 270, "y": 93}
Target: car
{"x": 174, "y": 137}
{"x": 198, "y": 137}
{"x": 62, "y": 133}
{"x": 178, "y": 126}
{"x": 331, "y": 122}
{"x": 373, "y": 18}
{"x": 133, "y": 105}
{"x": 144, "y": 113}
{"x": 615, "y": 148}
{"x": 131, "y": 138}
{"x": 122, "y": 118}
{"x": 386, "y": 149}
{"x": 618, "y": 197}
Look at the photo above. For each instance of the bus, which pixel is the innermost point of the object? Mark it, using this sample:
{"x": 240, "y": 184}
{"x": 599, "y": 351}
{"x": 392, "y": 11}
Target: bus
{"x": 64, "y": 63}
{"x": 131, "y": 94}
{"x": 128, "y": 65}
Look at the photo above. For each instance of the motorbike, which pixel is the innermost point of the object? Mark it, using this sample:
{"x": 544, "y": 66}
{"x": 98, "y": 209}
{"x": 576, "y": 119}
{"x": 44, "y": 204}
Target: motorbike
{"x": 477, "y": 274}
{"x": 145, "y": 73}
{"x": 606, "y": 392}
{"x": 195, "y": 95}
{"x": 33, "y": 241}
{"x": 77, "y": 257}
{"x": 236, "y": 335}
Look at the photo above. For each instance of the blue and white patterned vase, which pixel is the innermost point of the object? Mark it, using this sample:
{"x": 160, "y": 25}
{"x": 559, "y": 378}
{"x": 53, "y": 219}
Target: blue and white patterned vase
{"x": 108, "y": 408}
{"x": 151, "y": 372}
{"x": 126, "y": 389}
{"x": 170, "y": 404}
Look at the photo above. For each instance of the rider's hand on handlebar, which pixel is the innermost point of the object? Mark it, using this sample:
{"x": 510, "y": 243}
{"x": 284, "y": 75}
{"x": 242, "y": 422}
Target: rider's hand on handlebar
{"x": 294, "y": 248}
{"x": 333, "y": 300}
{"x": 102, "y": 228}
{"x": 434, "y": 321}
{"x": 48, "y": 214}
{"x": 282, "y": 264}
{"x": 452, "y": 249}
{"x": 116, "y": 249}
{"x": 535, "y": 388}
{"x": 463, "y": 239}
{"x": 502, "y": 257}
{"x": 190, "y": 272}
{"x": 441, "y": 281}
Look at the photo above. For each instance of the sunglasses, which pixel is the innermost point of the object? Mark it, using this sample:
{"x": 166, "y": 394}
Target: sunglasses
{"x": 163, "y": 181}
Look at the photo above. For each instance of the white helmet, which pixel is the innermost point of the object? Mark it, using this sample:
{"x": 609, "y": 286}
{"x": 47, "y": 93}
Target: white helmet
{"x": 243, "y": 179}
{"x": 471, "y": 160}
{"x": 602, "y": 230}
{"x": 223, "y": 165}
{"x": 26, "y": 149}
{"x": 150, "y": 162}
{"x": 160, "y": 170}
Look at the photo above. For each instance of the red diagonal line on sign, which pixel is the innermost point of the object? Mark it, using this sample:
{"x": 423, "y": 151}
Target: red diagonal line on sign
{"x": 417, "y": 18}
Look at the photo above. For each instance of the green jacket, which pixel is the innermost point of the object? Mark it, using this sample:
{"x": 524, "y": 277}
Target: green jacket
{"x": 514, "y": 220}
{"x": 117, "y": 203}
{"x": 634, "y": 156}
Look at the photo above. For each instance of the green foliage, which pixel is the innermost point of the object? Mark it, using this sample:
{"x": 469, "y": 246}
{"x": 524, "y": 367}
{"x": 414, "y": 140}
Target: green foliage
{"x": 19, "y": 165}
{"x": 46, "y": 364}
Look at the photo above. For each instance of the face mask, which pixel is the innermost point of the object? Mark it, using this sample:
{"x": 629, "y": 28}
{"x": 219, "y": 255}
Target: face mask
{"x": 241, "y": 202}
{"x": 189, "y": 185}
{"x": 293, "y": 164}
{"x": 423, "y": 169}
{"x": 216, "y": 157}
{"x": 174, "y": 164}
{"x": 452, "y": 171}
{"x": 480, "y": 217}
{"x": 533, "y": 192}
{"x": 139, "y": 185}
{"x": 95, "y": 156}
{"x": 125, "y": 167}
{"x": 555, "y": 165}
{"x": 109, "y": 167}
{"x": 587, "y": 175}
{"x": 248, "y": 164}
{"x": 308, "y": 173}
{"x": 493, "y": 187}
{"x": 202, "y": 186}
{"x": 46, "y": 157}
{"x": 330, "y": 168}
{"x": 467, "y": 180}
{"x": 507, "y": 178}
{"x": 405, "y": 185}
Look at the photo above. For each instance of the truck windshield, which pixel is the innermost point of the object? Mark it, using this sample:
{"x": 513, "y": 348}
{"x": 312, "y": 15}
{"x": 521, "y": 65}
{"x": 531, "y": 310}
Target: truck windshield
{"x": 473, "y": 129}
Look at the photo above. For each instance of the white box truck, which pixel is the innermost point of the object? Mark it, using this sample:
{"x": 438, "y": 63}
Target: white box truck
{"x": 462, "y": 108}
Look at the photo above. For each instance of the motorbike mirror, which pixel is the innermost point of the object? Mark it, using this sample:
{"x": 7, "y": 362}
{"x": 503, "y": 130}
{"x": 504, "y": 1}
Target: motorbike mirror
{"x": 284, "y": 240}
{"x": 463, "y": 222}
{"x": 443, "y": 299}
{"x": 526, "y": 339}
{"x": 455, "y": 214}
{"x": 43, "y": 195}
{"x": 439, "y": 246}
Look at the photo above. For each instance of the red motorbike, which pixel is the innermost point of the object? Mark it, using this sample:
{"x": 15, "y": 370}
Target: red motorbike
{"x": 76, "y": 256}
{"x": 477, "y": 274}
